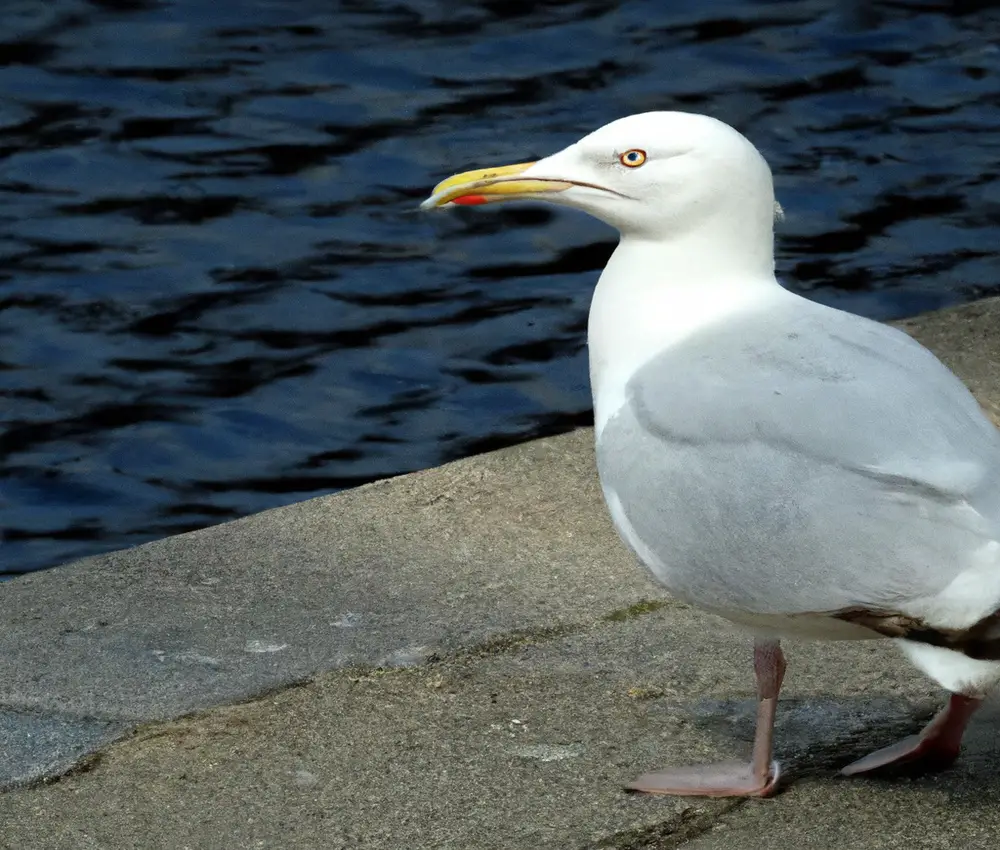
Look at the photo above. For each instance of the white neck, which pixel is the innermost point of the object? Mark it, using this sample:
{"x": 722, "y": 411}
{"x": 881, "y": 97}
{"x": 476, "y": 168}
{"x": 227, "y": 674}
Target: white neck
{"x": 653, "y": 295}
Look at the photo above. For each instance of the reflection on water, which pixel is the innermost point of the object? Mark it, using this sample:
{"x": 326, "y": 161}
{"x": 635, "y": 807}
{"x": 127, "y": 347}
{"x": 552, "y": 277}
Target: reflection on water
{"x": 216, "y": 296}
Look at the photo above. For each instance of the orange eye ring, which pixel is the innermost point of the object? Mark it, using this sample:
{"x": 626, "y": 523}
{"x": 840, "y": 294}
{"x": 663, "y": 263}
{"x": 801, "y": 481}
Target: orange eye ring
{"x": 633, "y": 158}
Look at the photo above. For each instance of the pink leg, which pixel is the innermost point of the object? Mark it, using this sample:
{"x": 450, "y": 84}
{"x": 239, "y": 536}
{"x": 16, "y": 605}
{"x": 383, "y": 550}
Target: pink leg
{"x": 733, "y": 779}
{"x": 933, "y": 749}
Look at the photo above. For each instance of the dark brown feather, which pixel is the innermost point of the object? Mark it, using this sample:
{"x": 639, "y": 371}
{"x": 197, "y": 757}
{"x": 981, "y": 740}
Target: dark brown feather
{"x": 981, "y": 640}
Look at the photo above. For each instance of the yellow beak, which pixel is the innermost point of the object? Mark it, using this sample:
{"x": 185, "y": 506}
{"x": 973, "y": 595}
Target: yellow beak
{"x": 490, "y": 184}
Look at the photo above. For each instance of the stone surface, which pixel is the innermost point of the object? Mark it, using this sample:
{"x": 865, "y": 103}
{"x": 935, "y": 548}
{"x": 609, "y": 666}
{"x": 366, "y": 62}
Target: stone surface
{"x": 522, "y": 745}
{"x": 36, "y": 745}
{"x": 528, "y": 669}
{"x": 514, "y": 746}
{"x": 385, "y": 574}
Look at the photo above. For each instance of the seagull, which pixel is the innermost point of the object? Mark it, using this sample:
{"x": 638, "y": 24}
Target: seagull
{"x": 797, "y": 470}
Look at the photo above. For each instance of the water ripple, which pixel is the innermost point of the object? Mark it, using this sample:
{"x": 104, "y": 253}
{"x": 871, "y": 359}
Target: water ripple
{"x": 216, "y": 295}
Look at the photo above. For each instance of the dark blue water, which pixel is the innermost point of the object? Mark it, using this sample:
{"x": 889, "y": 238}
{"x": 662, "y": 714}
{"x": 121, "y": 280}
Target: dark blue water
{"x": 215, "y": 294}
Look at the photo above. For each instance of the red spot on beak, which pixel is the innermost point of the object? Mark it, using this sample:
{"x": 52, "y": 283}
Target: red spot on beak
{"x": 470, "y": 200}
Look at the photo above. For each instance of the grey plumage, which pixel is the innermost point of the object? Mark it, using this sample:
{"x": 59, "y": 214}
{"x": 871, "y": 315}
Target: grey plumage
{"x": 798, "y": 459}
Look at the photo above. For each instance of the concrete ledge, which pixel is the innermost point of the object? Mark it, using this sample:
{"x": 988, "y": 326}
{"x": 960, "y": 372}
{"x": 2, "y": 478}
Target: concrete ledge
{"x": 385, "y": 575}
{"x": 483, "y": 665}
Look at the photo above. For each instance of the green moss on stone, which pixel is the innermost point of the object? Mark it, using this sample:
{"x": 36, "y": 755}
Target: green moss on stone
{"x": 644, "y": 606}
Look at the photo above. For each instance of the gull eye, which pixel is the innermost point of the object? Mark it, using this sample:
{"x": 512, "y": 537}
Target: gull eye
{"x": 633, "y": 158}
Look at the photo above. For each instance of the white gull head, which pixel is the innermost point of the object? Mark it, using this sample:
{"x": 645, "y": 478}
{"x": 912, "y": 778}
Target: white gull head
{"x": 694, "y": 203}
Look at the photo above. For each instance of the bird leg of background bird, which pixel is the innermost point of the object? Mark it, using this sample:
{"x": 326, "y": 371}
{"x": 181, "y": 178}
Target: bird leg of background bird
{"x": 933, "y": 749}
{"x": 759, "y": 778}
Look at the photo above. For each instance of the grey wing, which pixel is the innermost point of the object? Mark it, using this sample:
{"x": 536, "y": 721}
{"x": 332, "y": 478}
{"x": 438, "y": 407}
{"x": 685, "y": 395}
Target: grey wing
{"x": 858, "y": 470}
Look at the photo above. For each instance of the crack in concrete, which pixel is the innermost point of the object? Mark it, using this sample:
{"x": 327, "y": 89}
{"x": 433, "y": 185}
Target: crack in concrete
{"x": 667, "y": 835}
